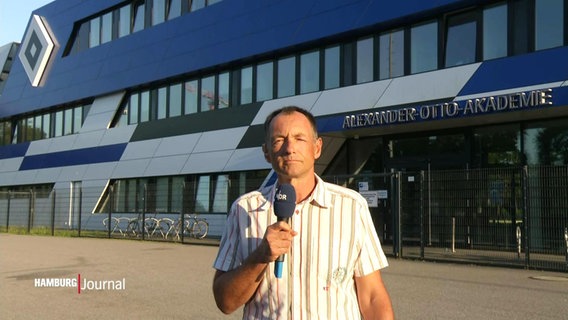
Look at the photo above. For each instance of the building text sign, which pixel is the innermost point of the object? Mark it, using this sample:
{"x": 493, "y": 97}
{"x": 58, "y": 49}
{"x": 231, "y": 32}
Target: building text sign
{"x": 453, "y": 109}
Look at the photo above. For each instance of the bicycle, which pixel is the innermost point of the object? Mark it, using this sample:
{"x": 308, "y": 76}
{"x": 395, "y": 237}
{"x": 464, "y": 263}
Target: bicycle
{"x": 117, "y": 225}
{"x": 152, "y": 226}
{"x": 194, "y": 226}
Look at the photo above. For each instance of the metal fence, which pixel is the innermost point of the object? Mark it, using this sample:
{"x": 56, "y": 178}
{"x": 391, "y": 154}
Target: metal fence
{"x": 514, "y": 217}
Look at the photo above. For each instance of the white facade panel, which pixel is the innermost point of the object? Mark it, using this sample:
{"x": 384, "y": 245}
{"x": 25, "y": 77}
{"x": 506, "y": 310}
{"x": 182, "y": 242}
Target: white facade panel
{"x": 39, "y": 147}
{"x": 99, "y": 171}
{"x": 227, "y": 139}
{"x": 72, "y": 173}
{"x": 47, "y": 175}
{"x": 359, "y": 97}
{"x": 26, "y": 177}
{"x": 64, "y": 143}
{"x": 88, "y": 139}
{"x": 164, "y": 166}
{"x": 102, "y": 112}
{"x": 207, "y": 162}
{"x": 247, "y": 159}
{"x": 140, "y": 149}
{"x": 305, "y": 101}
{"x": 10, "y": 164}
{"x": 118, "y": 135}
{"x": 176, "y": 145}
{"x": 427, "y": 86}
{"x": 130, "y": 168}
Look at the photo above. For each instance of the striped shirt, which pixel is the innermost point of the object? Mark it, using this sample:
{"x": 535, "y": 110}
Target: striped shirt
{"x": 336, "y": 241}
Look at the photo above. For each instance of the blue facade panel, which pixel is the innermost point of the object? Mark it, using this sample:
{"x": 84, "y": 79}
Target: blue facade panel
{"x": 14, "y": 150}
{"x": 227, "y": 31}
{"x": 74, "y": 157}
{"x": 520, "y": 71}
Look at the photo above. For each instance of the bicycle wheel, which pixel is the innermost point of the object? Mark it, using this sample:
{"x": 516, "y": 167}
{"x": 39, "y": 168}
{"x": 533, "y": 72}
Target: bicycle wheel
{"x": 133, "y": 228}
{"x": 200, "y": 229}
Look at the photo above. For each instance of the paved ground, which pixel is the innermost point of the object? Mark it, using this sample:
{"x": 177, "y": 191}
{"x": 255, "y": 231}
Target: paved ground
{"x": 173, "y": 281}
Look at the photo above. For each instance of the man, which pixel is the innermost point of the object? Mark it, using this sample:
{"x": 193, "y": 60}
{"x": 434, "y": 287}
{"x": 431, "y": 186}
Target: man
{"x": 333, "y": 254}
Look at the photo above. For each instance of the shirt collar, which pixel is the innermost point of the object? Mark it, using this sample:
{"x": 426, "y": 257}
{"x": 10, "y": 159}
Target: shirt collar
{"x": 320, "y": 195}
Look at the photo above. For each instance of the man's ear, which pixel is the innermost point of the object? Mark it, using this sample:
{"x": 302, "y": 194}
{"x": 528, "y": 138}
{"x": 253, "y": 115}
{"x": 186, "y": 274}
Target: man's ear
{"x": 317, "y": 151}
{"x": 265, "y": 152}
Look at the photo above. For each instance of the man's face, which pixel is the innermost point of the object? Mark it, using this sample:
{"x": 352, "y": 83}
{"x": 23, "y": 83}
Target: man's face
{"x": 292, "y": 147}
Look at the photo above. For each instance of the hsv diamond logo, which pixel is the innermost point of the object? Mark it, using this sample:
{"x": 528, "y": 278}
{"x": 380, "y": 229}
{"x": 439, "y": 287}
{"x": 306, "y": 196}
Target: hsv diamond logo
{"x": 36, "y": 50}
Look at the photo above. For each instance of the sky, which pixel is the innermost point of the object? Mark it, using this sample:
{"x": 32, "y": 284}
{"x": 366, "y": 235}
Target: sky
{"x": 14, "y": 17}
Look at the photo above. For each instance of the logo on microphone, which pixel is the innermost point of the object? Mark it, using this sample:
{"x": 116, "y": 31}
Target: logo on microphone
{"x": 280, "y": 196}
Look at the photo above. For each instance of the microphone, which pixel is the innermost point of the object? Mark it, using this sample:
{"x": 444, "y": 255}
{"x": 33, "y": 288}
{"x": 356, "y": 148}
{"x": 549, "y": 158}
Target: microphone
{"x": 284, "y": 206}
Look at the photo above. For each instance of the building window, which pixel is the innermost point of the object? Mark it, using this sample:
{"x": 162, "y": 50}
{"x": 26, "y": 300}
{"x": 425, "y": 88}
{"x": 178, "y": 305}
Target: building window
{"x": 197, "y": 4}
{"x": 162, "y": 103}
{"x": 95, "y": 35}
{"x": 133, "y": 106}
{"x": 223, "y": 99}
{"x": 424, "y": 47}
{"x": 461, "y": 39}
{"x": 549, "y": 24}
{"x": 207, "y": 94}
{"x": 520, "y": 19}
{"x": 246, "y": 85}
{"x": 191, "y": 97}
{"x": 139, "y": 18}
{"x": 202, "y": 197}
{"x": 158, "y": 11}
{"x": 332, "y": 67}
{"x": 365, "y": 60}
{"x": 265, "y": 81}
{"x": 145, "y": 106}
{"x": 497, "y": 146}
{"x": 124, "y": 21}
{"x": 286, "y": 77}
{"x": 174, "y": 9}
{"x": 106, "y": 28}
{"x": 391, "y": 54}
{"x": 309, "y": 72}
{"x": 495, "y": 38}
{"x": 175, "y": 100}
{"x": 546, "y": 143}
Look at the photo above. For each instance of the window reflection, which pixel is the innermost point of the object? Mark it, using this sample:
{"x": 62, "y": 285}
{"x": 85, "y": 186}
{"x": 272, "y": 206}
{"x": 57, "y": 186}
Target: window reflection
{"x": 286, "y": 77}
{"x": 424, "y": 47}
{"x": 309, "y": 72}
{"x": 461, "y": 40}
{"x": 391, "y": 54}
{"x": 495, "y": 32}
{"x": 549, "y": 24}
{"x": 365, "y": 64}
{"x": 497, "y": 146}
{"x": 546, "y": 143}
{"x": 332, "y": 67}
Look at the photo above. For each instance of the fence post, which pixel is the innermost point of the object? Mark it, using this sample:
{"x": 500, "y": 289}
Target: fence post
{"x": 143, "y": 222}
{"x": 53, "y": 212}
{"x": 453, "y": 234}
{"x": 111, "y": 200}
{"x": 526, "y": 213}
{"x": 30, "y": 210}
{"x": 8, "y": 211}
{"x": 566, "y": 241}
{"x": 181, "y": 215}
{"x": 397, "y": 220}
{"x": 519, "y": 241}
{"x": 422, "y": 240}
{"x": 79, "y": 219}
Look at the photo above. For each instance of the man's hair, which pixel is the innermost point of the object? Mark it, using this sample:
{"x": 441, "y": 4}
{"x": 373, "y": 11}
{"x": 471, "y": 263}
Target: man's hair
{"x": 290, "y": 110}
